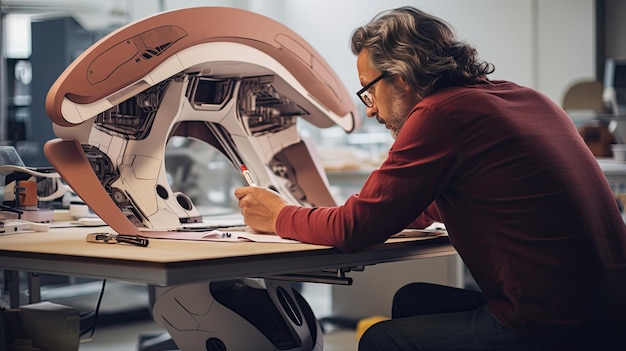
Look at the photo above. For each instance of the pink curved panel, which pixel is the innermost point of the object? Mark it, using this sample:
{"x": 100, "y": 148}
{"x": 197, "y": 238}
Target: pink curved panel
{"x": 68, "y": 158}
{"x": 133, "y": 51}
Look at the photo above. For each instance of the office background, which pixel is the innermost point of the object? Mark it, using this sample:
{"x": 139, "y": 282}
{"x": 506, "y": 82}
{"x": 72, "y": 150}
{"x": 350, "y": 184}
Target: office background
{"x": 545, "y": 44}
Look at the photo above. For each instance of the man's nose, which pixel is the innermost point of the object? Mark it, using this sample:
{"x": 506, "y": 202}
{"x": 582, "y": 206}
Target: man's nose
{"x": 371, "y": 111}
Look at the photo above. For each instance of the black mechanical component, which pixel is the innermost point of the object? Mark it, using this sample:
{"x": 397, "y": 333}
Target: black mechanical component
{"x": 132, "y": 119}
{"x": 284, "y": 170}
{"x": 101, "y": 165}
{"x": 211, "y": 94}
{"x": 265, "y": 109}
{"x": 107, "y": 174}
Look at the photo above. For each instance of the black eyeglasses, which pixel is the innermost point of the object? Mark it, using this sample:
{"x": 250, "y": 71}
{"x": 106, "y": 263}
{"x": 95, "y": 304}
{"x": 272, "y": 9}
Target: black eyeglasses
{"x": 364, "y": 93}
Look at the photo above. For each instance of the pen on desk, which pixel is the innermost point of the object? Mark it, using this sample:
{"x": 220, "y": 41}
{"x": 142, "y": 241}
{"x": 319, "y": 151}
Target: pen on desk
{"x": 247, "y": 175}
{"x": 132, "y": 239}
{"x": 111, "y": 238}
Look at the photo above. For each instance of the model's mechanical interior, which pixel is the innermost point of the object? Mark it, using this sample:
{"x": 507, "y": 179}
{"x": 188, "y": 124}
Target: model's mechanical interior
{"x": 236, "y": 80}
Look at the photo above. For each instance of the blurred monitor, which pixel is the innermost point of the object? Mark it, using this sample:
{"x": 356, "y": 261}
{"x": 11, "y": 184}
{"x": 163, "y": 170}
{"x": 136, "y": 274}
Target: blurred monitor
{"x": 9, "y": 156}
{"x": 614, "y": 95}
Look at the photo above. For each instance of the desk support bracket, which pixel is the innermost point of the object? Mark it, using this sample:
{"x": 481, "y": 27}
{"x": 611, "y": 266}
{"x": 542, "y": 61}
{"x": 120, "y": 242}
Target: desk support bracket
{"x": 328, "y": 276}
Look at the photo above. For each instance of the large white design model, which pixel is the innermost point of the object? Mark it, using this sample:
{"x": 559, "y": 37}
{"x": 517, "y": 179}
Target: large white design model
{"x": 229, "y": 77}
{"x": 241, "y": 314}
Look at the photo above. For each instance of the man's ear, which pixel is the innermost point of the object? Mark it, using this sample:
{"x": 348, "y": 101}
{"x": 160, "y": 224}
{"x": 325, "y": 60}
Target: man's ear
{"x": 401, "y": 84}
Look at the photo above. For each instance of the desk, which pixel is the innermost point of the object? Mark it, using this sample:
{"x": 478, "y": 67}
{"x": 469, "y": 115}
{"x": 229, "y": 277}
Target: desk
{"x": 174, "y": 262}
{"x": 177, "y": 262}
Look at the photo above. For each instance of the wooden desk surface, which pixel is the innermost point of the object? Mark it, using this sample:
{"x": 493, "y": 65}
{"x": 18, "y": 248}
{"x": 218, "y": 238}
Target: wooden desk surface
{"x": 175, "y": 262}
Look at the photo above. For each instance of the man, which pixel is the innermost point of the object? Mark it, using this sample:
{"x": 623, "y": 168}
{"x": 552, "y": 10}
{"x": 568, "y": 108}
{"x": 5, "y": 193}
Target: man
{"x": 524, "y": 201}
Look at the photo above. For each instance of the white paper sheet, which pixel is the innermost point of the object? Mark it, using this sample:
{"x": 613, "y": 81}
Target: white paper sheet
{"x": 217, "y": 235}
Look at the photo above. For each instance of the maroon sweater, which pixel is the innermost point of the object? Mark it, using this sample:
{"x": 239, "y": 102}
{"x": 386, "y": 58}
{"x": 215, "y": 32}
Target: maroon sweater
{"x": 525, "y": 203}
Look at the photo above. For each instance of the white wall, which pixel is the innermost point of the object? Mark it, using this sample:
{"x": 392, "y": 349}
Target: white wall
{"x": 565, "y": 45}
{"x": 545, "y": 44}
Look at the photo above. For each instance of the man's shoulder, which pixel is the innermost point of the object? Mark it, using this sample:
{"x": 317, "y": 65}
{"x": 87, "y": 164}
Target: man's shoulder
{"x": 475, "y": 89}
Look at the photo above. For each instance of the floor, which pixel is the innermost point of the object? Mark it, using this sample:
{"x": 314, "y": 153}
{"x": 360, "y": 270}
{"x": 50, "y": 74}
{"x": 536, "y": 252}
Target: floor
{"x": 124, "y": 334}
{"x": 124, "y": 337}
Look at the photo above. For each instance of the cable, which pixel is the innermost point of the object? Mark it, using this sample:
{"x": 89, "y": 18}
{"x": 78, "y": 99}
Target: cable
{"x": 92, "y": 315}
{"x": 228, "y": 145}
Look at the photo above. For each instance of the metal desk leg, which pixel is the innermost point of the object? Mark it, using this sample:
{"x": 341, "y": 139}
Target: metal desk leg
{"x": 34, "y": 288}
{"x": 12, "y": 288}
{"x": 12, "y": 285}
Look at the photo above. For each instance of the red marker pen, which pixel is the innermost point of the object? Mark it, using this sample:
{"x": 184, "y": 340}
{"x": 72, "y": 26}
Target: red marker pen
{"x": 247, "y": 175}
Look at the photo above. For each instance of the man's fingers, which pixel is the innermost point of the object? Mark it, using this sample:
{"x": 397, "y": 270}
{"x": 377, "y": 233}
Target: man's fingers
{"x": 241, "y": 192}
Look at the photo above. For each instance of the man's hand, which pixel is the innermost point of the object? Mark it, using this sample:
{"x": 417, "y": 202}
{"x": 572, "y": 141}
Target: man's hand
{"x": 260, "y": 207}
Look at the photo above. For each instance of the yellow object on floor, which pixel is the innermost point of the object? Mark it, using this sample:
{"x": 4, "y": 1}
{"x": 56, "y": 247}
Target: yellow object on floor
{"x": 365, "y": 323}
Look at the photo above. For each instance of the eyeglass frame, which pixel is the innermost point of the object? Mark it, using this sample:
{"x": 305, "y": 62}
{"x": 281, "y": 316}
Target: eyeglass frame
{"x": 364, "y": 94}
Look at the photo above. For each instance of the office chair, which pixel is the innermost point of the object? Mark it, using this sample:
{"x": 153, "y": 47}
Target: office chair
{"x": 584, "y": 95}
{"x": 583, "y": 103}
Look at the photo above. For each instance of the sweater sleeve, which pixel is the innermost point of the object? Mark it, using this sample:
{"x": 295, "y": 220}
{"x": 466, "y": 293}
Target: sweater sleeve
{"x": 426, "y": 218}
{"x": 417, "y": 169}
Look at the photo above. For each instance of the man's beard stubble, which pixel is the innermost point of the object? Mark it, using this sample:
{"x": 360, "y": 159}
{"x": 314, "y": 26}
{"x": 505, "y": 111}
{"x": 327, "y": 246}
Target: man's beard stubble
{"x": 398, "y": 114}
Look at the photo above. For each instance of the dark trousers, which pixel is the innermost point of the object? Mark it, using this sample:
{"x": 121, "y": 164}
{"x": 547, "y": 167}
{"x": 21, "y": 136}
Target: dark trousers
{"x": 436, "y": 317}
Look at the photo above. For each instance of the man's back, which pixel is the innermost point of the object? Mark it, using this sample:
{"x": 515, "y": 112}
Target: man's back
{"x": 528, "y": 208}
